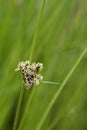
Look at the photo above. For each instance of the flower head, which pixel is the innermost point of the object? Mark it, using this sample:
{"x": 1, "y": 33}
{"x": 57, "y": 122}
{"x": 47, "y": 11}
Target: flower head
{"x": 30, "y": 73}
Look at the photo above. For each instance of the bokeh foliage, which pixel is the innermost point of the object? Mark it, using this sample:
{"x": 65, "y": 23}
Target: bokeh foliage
{"x": 62, "y": 38}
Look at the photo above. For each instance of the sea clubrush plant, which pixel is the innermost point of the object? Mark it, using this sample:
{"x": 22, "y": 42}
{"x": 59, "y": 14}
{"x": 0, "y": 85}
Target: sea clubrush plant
{"x": 29, "y": 81}
{"x": 30, "y": 71}
{"x": 32, "y": 77}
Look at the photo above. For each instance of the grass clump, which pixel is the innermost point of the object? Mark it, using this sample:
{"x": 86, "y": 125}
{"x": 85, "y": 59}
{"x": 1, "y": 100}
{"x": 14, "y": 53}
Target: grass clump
{"x": 59, "y": 42}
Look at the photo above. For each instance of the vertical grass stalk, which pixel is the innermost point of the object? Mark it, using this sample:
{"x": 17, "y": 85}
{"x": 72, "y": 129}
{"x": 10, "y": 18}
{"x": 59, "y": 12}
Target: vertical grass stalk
{"x": 31, "y": 55}
{"x": 18, "y": 109}
{"x": 60, "y": 90}
{"x": 37, "y": 30}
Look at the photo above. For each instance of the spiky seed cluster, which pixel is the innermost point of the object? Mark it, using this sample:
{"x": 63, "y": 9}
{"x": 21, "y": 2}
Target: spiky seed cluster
{"x": 30, "y": 73}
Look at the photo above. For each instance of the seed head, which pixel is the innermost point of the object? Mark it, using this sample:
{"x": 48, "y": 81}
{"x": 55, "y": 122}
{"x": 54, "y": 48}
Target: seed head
{"x": 30, "y": 73}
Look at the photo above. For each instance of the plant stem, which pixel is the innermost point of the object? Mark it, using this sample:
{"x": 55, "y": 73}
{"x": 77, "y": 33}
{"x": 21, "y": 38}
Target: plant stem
{"x": 60, "y": 90}
{"x": 37, "y": 30}
{"x": 71, "y": 103}
{"x": 18, "y": 108}
{"x": 31, "y": 55}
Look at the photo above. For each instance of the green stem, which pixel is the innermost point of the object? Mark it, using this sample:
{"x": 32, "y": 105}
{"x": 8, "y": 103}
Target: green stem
{"x": 18, "y": 108}
{"x": 37, "y": 30}
{"x": 71, "y": 103}
{"x": 31, "y": 55}
{"x": 60, "y": 90}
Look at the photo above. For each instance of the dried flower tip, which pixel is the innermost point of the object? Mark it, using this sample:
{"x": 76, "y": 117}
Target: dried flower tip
{"x": 21, "y": 65}
{"x": 30, "y": 73}
{"x": 39, "y": 66}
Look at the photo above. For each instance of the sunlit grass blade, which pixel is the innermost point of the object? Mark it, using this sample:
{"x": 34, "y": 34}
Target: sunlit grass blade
{"x": 59, "y": 91}
{"x": 77, "y": 96}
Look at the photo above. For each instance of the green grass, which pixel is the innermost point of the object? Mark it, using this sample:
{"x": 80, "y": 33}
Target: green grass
{"x": 30, "y": 59}
{"x": 59, "y": 41}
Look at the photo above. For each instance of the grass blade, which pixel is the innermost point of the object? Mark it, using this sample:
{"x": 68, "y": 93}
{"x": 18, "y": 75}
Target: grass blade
{"x": 18, "y": 108}
{"x": 60, "y": 90}
{"x": 37, "y": 29}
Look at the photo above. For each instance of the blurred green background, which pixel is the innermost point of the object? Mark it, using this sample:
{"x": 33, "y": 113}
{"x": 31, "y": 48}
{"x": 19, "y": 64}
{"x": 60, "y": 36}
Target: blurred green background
{"x": 61, "y": 39}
